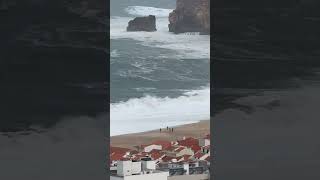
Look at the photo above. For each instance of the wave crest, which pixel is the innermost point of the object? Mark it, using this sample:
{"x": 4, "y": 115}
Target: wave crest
{"x": 145, "y": 11}
{"x": 149, "y": 112}
{"x": 187, "y": 46}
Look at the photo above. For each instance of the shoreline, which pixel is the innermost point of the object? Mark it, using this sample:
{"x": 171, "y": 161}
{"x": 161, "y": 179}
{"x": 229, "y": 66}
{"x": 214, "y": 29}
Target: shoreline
{"x": 198, "y": 129}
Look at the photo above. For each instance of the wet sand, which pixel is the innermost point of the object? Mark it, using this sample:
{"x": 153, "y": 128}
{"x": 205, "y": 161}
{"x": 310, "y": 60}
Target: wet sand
{"x": 189, "y": 130}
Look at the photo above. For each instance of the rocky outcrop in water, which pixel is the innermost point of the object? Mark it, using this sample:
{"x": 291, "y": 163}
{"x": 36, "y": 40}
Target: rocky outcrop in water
{"x": 190, "y": 16}
{"x": 147, "y": 23}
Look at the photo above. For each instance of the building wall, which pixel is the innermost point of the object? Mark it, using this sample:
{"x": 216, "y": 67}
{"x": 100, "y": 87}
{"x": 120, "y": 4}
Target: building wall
{"x": 190, "y": 177}
{"x": 136, "y": 167}
{"x": 154, "y": 176}
{"x": 124, "y": 168}
{"x": 204, "y": 142}
{"x": 116, "y": 178}
{"x": 151, "y": 165}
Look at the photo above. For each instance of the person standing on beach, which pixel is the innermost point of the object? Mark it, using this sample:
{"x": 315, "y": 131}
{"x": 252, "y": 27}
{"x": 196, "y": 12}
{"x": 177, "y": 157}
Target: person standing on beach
{"x": 160, "y": 130}
{"x": 167, "y": 128}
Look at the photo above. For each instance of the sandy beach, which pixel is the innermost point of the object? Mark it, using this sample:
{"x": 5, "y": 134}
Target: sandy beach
{"x": 189, "y": 130}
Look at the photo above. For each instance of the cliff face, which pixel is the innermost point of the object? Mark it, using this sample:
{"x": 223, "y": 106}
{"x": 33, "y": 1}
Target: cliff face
{"x": 190, "y": 16}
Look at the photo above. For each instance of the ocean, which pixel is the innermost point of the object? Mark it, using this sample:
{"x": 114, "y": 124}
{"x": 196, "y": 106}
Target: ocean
{"x": 157, "y": 79}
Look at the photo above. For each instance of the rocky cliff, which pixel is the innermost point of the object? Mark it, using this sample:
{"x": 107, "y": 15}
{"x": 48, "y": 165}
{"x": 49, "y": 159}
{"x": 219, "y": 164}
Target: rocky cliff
{"x": 190, "y": 16}
{"x": 147, "y": 23}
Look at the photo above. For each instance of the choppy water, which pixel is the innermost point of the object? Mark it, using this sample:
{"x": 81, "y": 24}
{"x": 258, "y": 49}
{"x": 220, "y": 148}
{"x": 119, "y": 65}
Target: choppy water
{"x": 157, "y": 78}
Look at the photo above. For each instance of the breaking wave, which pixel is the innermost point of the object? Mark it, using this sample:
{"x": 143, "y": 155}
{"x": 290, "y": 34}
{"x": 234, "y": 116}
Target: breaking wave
{"x": 114, "y": 53}
{"x": 186, "y": 45}
{"x": 145, "y": 11}
{"x": 149, "y": 112}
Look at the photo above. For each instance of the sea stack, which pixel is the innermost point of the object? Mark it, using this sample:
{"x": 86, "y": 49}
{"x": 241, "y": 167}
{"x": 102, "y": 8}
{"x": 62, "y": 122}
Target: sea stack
{"x": 147, "y": 23}
{"x": 190, "y": 16}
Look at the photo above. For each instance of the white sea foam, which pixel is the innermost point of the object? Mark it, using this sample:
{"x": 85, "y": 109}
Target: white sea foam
{"x": 147, "y": 113}
{"x": 186, "y": 45}
{"x": 145, "y": 11}
{"x": 114, "y": 53}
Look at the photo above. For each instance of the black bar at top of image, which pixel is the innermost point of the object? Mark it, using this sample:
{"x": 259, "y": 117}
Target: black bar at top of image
{"x": 265, "y": 95}
{"x": 54, "y": 74}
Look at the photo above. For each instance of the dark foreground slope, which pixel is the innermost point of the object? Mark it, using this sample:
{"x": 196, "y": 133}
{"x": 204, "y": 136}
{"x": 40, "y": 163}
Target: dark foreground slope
{"x": 265, "y": 69}
{"x": 52, "y": 61}
{"x": 263, "y": 44}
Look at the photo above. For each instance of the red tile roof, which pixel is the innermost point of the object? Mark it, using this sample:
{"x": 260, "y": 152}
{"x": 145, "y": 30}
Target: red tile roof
{"x": 118, "y": 153}
{"x": 118, "y": 150}
{"x": 188, "y": 142}
{"x": 172, "y": 148}
{"x": 154, "y": 151}
{"x": 184, "y": 158}
{"x": 195, "y": 148}
{"x": 134, "y": 152}
{"x": 198, "y": 155}
{"x": 164, "y": 144}
{"x": 179, "y": 149}
{"x": 116, "y": 156}
{"x": 167, "y": 158}
{"x": 180, "y": 158}
{"x": 208, "y": 158}
{"x": 156, "y": 155}
{"x": 125, "y": 159}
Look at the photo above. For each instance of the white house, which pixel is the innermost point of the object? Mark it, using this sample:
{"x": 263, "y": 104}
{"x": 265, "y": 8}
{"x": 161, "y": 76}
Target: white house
{"x": 158, "y": 175}
{"x": 139, "y": 170}
{"x": 204, "y": 141}
{"x": 148, "y": 148}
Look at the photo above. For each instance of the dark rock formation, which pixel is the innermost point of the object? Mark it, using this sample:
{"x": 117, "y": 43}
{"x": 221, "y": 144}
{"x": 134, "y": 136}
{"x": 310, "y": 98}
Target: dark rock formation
{"x": 147, "y": 23}
{"x": 190, "y": 16}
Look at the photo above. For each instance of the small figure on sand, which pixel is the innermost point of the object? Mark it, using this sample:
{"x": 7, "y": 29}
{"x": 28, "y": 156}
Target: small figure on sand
{"x": 171, "y": 129}
{"x": 167, "y": 128}
{"x": 160, "y": 130}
